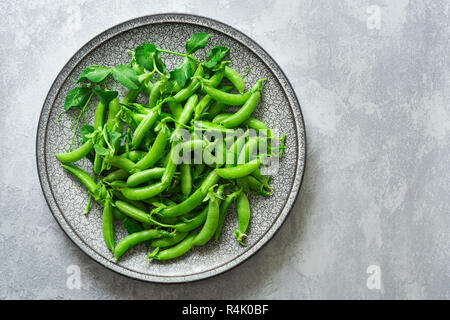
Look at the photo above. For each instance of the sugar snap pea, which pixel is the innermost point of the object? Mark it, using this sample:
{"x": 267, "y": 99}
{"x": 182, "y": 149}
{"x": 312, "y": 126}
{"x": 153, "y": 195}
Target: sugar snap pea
{"x": 168, "y": 242}
{"x": 243, "y": 209}
{"x": 239, "y": 171}
{"x": 235, "y": 78}
{"x": 177, "y": 251}
{"x": 156, "y": 166}
{"x": 136, "y": 238}
{"x": 143, "y": 176}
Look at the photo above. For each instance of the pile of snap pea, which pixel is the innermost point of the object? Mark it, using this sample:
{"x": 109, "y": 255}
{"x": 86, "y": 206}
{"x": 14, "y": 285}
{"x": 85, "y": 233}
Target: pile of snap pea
{"x": 167, "y": 205}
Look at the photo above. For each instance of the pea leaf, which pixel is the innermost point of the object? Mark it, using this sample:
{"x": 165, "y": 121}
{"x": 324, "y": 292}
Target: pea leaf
{"x": 94, "y": 73}
{"x": 144, "y": 55}
{"x": 182, "y": 73}
{"x": 126, "y": 76}
{"x": 77, "y": 97}
{"x": 214, "y": 56}
{"x": 105, "y": 96}
{"x": 160, "y": 65}
{"x": 85, "y": 130}
{"x": 101, "y": 150}
{"x": 113, "y": 137}
{"x": 166, "y": 86}
{"x": 196, "y": 41}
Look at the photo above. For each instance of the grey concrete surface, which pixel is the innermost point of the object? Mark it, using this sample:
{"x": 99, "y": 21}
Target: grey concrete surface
{"x": 373, "y": 81}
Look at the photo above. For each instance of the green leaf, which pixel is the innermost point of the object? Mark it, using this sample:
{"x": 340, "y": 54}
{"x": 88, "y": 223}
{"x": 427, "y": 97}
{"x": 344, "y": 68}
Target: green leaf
{"x": 160, "y": 65}
{"x": 183, "y": 72}
{"x": 94, "y": 73}
{"x": 126, "y": 76}
{"x": 101, "y": 150}
{"x": 166, "y": 86}
{"x": 113, "y": 137}
{"x": 86, "y": 130}
{"x": 105, "y": 96}
{"x": 214, "y": 56}
{"x": 144, "y": 55}
{"x": 77, "y": 97}
{"x": 196, "y": 41}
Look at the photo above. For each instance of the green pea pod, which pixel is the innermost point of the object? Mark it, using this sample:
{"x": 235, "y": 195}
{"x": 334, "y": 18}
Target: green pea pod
{"x": 243, "y": 113}
{"x": 134, "y": 155}
{"x": 249, "y": 150}
{"x": 239, "y": 171}
{"x": 235, "y": 149}
{"x": 142, "y": 193}
{"x": 189, "y": 204}
{"x": 191, "y": 88}
{"x": 171, "y": 167}
{"x": 255, "y": 185}
{"x": 220, "y": 117}
{"x": 118, "y": 184}
{"x": 243, "y": 184}
{"x": 194, "y": 200}
{"x": 176, "y": 251}
{"x": 186, "y": 179}
{"x": 217, "y": 107}
{"x": 193, "y": 223}
{"x": 243, "y": 209}
{"x": 224, "y": 208}
{"x": 144, "y": 126}
{"x": 76, "y": 154}
{"x": 118, "y": 174}
{"x": 144, "y": 176}
{"x": 212, "y": 127}
{"x": 136, "y": 203}
{"x": 212, "y": 220}
{"x": 202, "y": 105}
{"x": 175, "y": 109}
{"x": 99, "y": 119}
{"x": 260, "y": 177}
{"x": 132, "y": 94}
{"x": 99, "y": 115}
{"x": 188, "y": 109}
{"x": 229, "y": 99}
{"x": 136, "y": 238}
{"x": 155, "y": 94}
{"x": 137, "y": 214}
{"x": 198, "y": 170}
{"x": 108, "y": 226}
{"x": 256, "y": 124}
{"x": 216, "y": 78}
{"x": 98, "y": 163}
{"x": 209, "y": 181}
{"x": 235, "y": 78}
{"x": 168, "y": 242}
{"x": 138, "y": 117}
{"x": 148, "y": 86}
{"x": 122, "y": 163}
{"x": 113, "y": 110}
{"x": 156, "y": 151}
{"x": 85, "y": 179}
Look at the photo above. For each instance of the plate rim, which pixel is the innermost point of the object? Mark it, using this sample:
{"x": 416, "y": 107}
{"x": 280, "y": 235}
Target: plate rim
{"x": 217, "y": 26}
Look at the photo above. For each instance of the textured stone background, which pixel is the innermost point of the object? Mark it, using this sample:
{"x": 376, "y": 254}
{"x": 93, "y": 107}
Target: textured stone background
{"x": 377, "y": 184}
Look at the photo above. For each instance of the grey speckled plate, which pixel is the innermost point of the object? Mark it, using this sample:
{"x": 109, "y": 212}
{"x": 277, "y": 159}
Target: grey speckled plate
{"x": 279, "y": 108}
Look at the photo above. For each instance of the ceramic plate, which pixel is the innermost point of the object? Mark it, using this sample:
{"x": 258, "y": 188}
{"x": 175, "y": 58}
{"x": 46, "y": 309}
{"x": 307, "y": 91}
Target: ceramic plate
{"x": 279, "y": 108}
